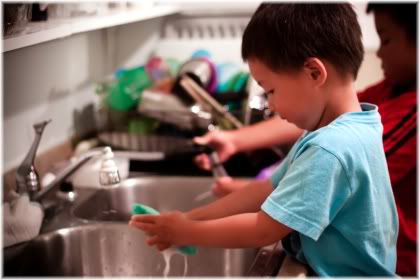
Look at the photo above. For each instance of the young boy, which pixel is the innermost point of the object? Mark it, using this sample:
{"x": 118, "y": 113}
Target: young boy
{"x": 396, "y": 98}
{"x": 332, "y": 203}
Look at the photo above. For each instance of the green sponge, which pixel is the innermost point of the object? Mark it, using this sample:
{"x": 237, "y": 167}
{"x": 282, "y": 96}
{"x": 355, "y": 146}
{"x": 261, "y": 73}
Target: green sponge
{"x": 140, "y": 209}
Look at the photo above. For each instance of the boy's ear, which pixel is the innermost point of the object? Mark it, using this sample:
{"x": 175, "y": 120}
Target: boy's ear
{"x": 315, "y": 69}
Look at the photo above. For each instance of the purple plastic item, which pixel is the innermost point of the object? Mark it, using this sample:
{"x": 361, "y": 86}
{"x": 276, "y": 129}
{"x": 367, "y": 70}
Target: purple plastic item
{"x": 213, "y": 77}
{"x": 266, "y": 172}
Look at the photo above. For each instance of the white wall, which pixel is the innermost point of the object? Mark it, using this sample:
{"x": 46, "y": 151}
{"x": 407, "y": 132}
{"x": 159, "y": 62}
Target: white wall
{"x": 53, "y": 79}
{"x": 46, "y": 81}
{"x": 182, "y": 36}
{"x": 370, "y": 70}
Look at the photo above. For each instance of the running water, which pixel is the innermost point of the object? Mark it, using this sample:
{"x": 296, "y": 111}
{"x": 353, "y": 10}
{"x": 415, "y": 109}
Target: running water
{"x": 167, "y": 256}
{"x": 203, "y": 196}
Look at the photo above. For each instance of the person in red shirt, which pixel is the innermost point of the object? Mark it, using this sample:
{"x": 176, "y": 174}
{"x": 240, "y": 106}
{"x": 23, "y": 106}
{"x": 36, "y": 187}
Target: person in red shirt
{"x": 396, "y": 97}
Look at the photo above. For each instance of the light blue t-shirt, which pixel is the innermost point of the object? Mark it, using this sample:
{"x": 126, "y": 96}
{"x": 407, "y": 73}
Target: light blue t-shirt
{"x": 334, "y": 190}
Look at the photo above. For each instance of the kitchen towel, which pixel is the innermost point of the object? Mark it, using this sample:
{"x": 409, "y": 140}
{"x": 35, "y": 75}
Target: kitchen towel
{"x": 22, "y": 219}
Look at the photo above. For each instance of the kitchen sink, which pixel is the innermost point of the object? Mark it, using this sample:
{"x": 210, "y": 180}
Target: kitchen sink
{"x": 115, "y": 249}
{"x": 91, "y": 237}
{"x": 162, "y": 193}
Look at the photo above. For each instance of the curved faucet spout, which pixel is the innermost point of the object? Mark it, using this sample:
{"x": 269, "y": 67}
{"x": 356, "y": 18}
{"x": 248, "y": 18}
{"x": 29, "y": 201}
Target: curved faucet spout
{"x": 27, "y": 179}
{"x": 108, "y": 175}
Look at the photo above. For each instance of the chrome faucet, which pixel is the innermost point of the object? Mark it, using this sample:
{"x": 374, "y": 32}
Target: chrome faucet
{"x": 108, "y": 174}
{"x": 28, "y": 180}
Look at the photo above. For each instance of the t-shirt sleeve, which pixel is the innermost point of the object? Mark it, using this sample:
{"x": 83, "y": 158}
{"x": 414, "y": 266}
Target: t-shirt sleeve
{"x": 311, "y": 193}
{"x": 279, "y": 172}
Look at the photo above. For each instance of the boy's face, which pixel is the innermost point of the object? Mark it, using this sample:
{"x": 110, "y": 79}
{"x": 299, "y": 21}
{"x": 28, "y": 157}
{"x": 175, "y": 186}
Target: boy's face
{"x": 291, "y": 95}
{"x": 396, "y": 51}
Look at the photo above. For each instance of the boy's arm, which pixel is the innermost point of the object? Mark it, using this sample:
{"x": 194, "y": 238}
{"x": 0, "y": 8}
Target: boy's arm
{"x": 247, "y": 199}
{"x": 237, "y": 231}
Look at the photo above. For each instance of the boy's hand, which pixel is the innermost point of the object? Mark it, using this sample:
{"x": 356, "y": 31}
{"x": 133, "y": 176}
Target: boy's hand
{"x": 226, "y": 185}
{"x": 221, "y": 141}
{"x": 164, "y": 229}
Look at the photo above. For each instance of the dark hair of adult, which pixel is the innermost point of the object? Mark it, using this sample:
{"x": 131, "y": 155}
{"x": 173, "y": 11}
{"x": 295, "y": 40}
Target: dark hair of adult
{"x": 404, "y": 14}
{"x": 284, "y": 35}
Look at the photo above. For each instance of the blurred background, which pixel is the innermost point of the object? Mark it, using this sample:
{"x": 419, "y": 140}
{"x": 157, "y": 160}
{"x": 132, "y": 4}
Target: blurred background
{"x": 141, "y": 76}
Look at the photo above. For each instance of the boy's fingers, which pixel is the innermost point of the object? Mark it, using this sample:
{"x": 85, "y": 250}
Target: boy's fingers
{"x": 224, "y": 180}
{"x": 153, "y": 240}
{"x": 216, "y": 191}
{"x": 201, "y": 140}
{"x": 149, "y": 228}
{"x": 202, "y": 161}
{"x": 144, "y": 218}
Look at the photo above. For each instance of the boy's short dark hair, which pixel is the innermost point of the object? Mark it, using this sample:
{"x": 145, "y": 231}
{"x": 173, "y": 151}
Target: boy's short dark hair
{"x": 404, "y": 14}
{"x": 284, "y": 35}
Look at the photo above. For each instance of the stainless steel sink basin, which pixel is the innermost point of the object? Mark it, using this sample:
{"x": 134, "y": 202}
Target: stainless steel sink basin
{"x": 115, "y": 249}
{"x": 97, "y": 241}
{"x": 161, "y": 193}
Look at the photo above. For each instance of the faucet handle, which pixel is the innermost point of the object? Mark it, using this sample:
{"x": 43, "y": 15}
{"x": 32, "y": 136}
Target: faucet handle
{"x": 39, "y": 127}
